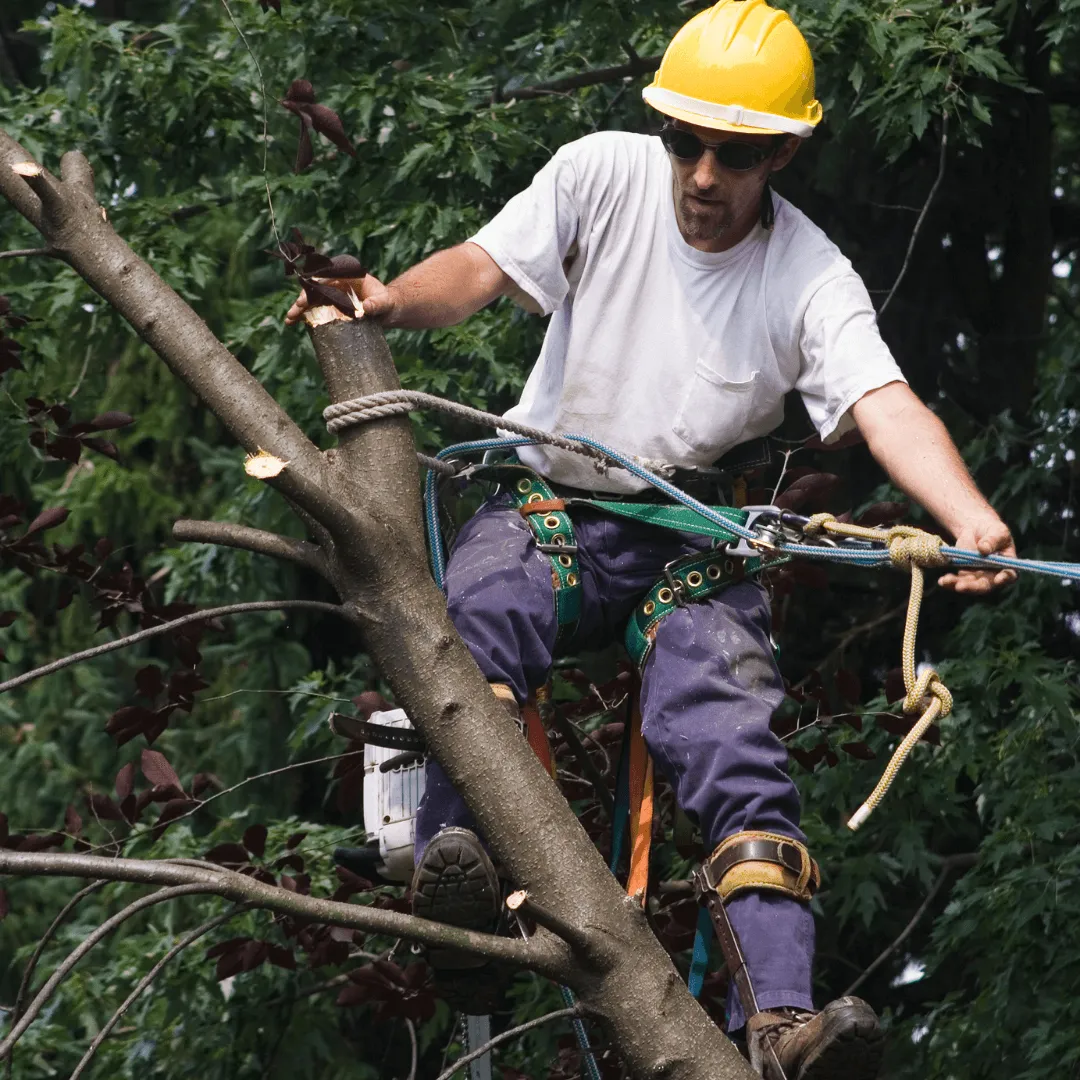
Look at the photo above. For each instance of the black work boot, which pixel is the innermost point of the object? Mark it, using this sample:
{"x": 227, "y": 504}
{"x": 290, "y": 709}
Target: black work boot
{"x": 456, "y": 883}
{"x": 842, "y": 1042}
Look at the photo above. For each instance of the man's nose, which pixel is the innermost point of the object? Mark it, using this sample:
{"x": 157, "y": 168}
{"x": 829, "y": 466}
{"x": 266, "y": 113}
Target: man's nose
{"x": 707, "y": 172}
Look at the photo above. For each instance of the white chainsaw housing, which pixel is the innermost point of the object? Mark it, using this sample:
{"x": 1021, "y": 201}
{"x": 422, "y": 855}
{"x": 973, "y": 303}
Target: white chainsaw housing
{"x": 390, "y": 801}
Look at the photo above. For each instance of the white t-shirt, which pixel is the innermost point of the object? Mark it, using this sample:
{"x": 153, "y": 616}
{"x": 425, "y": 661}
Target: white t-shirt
{"x": 667, "y": 353}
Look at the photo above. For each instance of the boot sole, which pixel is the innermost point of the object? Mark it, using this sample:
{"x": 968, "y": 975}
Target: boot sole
{"x": 847, "y": 1050}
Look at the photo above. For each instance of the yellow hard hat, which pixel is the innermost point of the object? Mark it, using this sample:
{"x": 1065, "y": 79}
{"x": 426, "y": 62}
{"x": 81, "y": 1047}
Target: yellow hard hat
{"x": 738, "y": 66}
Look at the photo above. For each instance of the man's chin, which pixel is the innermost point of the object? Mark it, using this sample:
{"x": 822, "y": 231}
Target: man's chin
{"x": 700, "y": 224}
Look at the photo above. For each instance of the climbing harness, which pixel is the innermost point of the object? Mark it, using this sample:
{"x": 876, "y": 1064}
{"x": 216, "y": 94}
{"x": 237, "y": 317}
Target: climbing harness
{"x": 746, "y": 540}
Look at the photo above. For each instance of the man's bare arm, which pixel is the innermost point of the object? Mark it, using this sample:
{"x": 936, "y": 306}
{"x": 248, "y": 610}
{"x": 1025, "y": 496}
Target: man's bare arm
{"x": 443, "y": 290}
{"x": 915, "y": 449}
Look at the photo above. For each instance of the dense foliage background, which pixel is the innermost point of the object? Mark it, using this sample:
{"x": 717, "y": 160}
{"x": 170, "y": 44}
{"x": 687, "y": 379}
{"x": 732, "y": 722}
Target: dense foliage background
{"x": 975, "y": 102}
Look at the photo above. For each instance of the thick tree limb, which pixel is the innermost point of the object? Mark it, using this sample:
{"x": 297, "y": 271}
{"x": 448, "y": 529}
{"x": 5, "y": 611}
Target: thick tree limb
{"x": 541, "y": 953}
{"x": 103, "y": 931}
{"x": 949, "y": 864}
{"x": 147, "y": 979}
{"x": 506, "y": 1036}
{"x": 228, "y": 534}
{"x": 637, "y": 65}
{"x": 70, "y": 220}
{"x": 167, "y": 627}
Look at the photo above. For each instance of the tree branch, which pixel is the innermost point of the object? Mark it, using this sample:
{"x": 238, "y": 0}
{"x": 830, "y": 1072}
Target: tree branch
{"x": 228, "y": 534}
{"x": 506, "y": 1036}
{"x": 62, "y": 972}
{"x": 20, "y": 253}
{"x": 638, "y": 65}
{"x": 147, "y": 979}
{"x": 31, "y": 964}
{"x": 922, "y": 213}
{"x": 166, "y": 627}
{"x": 952, "y": 862}
{"x": 548, "y": 957}
{"x": 68, "y": 217}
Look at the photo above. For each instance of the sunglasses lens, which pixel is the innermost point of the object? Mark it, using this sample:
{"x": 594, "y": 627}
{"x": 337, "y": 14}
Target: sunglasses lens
{"x": 683, "y": 144}
{"x": 740, "y": 156}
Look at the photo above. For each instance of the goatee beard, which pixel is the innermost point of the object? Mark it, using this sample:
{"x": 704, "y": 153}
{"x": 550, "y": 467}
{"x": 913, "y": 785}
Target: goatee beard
{"x": 698, "y": 225}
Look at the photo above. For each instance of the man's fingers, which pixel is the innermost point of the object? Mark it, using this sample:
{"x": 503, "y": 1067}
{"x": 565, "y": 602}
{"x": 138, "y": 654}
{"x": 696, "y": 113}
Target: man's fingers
{"x": 297, "y": 310}
{"x": 377, "y": 305}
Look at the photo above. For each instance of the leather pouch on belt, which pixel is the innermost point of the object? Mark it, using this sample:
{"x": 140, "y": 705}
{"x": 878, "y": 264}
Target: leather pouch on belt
{"x": 762, "y": 860}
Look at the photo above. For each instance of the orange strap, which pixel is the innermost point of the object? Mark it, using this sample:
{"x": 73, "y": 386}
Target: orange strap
{"x": 536, "y": 735}
{"x": 641, "y": 806}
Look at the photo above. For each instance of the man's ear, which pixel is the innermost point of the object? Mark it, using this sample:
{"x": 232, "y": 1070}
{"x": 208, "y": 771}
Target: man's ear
{"x": 787, "y": 151}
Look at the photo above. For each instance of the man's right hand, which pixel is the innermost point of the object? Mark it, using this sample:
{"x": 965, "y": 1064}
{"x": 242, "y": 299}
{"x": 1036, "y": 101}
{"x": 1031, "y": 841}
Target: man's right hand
{"x": 377, "y": 299}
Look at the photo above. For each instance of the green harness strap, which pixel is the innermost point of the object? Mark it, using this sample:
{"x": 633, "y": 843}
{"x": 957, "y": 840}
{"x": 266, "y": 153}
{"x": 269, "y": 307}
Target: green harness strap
{"x": 691, "y": 579}
{"x": 553, "y": 530}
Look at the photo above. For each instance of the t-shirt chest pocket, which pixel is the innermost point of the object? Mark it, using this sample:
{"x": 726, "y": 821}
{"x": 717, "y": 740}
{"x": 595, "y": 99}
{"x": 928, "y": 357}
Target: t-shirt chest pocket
{"x": 715, "y": 409}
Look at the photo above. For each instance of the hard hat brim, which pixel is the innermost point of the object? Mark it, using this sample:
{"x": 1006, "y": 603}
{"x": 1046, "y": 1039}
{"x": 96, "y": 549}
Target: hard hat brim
{"x": 734, "y": 118}
{"x": 698, "y": 120}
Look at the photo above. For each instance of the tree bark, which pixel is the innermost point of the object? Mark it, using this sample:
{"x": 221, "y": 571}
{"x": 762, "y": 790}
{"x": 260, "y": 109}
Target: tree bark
{"x": 364, "y": 498}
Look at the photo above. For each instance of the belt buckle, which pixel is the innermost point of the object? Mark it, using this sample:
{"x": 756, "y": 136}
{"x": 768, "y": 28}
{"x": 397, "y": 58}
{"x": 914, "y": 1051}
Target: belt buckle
{"x": 676, "y": 586}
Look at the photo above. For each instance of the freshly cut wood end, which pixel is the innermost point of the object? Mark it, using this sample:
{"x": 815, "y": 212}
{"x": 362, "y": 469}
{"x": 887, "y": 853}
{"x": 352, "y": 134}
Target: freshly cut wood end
{"x": 516, "y": 900}
{"x": 263, "y": 466}
{"x": 327, "y": 313}
{"x": 27, "y": 168}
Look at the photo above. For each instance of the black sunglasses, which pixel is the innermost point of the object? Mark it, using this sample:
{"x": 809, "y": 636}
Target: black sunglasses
{"x": 734, "y": 155}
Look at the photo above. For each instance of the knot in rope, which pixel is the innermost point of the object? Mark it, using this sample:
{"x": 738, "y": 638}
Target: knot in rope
{"x": 909, "y": 546}
{"x": 817, "y": 524}
{"x": 929, "y": 683}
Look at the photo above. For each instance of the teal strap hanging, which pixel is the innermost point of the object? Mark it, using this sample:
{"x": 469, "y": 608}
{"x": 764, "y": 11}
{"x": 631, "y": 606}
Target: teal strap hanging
{"x": 699, "y": 962}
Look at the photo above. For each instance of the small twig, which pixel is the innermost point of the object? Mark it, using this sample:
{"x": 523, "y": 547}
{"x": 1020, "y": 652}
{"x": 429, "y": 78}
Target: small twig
{"x": 29, "y": 253}
{"x": 166, "y": 627}
{"x": 265, "y": 119}
{"x": 220, "y": 794}
{"x": 567, "y": 730}
{"x": 415, "y": 1049}
{"x": 103, "y": 931}
{"x": 922, "y": 213}
{"x": 31, "y": 964}
{"x": 229, "y": 534}
{"x": 952, "y": 862}
{"x": 783, "y": 472}
{"x": 582, "y": 943}
{"x": 147, "y": 979}
{"x": 506, "y": 1036}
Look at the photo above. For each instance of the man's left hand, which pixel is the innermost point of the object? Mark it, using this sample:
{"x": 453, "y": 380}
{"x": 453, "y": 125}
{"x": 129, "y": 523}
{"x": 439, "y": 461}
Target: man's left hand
{"x": 988, "y": 536}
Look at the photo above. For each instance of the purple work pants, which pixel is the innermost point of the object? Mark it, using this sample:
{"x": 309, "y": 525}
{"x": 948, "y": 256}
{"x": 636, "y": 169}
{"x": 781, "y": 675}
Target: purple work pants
{"x": 708, "y": 691}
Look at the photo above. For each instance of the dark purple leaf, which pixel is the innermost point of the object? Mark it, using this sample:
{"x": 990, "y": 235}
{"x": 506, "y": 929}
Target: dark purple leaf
{"x": 103, "y": 446}
{"x": 327, "y": 122}
{"x": 103, "y": 549}
{"x": 810, "y": 493}
{"x": 295, "y": 839}
{"x": 883, "y": 513}
{"x": 301, "y": 91}
{"x": 255, "y": 840}
{"x": 223, "y": 948}
{"x": 149, "y": 681}
{"x": 64, "y": 448}
{"x": 858, "y": 750}
{"x": 125, "y": 781}
{"x": 304, "y": 152}
{"x": 73, "y": 822}
{"x": 109, "y": 421}
{"x": 101, "y": 806}
{"x": 848, "y": 685}
{"x": 227, "y": 855}
{"x": 282, "y": 958}
{"x": 156, "y": 769}
{"x": 7, "y": 618}
{"x": 173, "y": 809}
{"x": 47, "y": 519}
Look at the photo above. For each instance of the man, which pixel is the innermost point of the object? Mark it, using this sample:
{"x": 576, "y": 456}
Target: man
{"x": 686, "y": 300}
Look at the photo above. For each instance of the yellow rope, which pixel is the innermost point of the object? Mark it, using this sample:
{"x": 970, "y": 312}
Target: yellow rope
{"x": 911, "y": 549}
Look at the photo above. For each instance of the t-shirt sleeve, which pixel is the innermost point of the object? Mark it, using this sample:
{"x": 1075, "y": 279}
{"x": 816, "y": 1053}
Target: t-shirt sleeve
{"x": 842, "y": 354}
{"x": 533, "y": 233}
